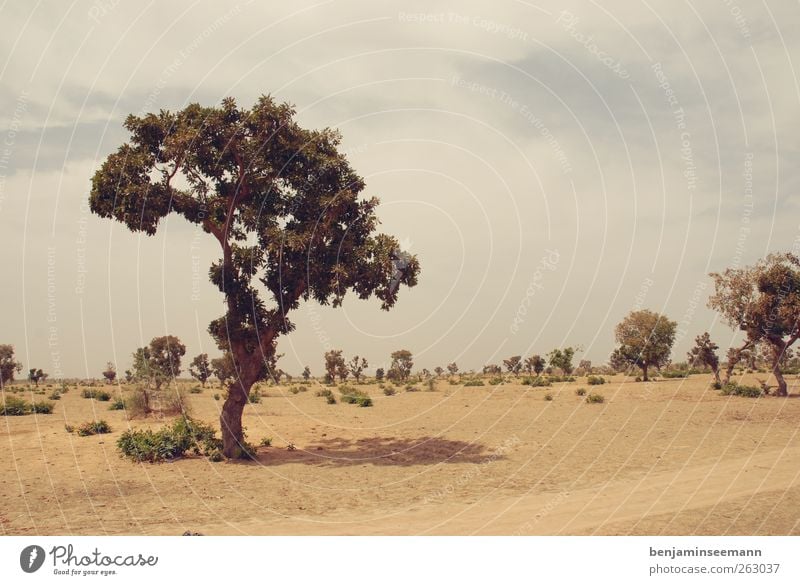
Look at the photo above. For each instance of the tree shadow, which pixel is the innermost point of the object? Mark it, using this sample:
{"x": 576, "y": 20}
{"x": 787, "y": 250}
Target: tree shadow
{"x": 337, "y": 452}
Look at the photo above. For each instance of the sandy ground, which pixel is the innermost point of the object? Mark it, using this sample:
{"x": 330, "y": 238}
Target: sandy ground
{"x": 670, "y": 457}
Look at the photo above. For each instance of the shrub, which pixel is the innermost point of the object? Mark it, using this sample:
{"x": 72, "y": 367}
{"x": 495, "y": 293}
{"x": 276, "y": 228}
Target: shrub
{"x": 298, "y": 389}
{"x": 255, "y": 397}
{"x": 216, "y": 396}
{"x": 536, "y": 381}
{"x": 195, "y": 390}
{"x": 352, "y": 395}
{"x": 118, "y": 404}
{"x": 595, "y": 380}
{"x": 328, "y": 395}
{"x": 717, "y": 385}
{"x": 54, "y": 395}
{"x": 595, "y": 399}
{"x": 100, "y": 395}
{"x": 42, "y": 407}
{"x": 98, "y": 427}
{"x": 581, "y": 391}
{"x": 387, "y": 391}
{"x": 548, "y": 397}
{"x": 496, "y": 381}
{"x": 185, "y": 434}
{"x": 675, "y": 374}
{"x": 69, "y": 428}
{"x": 473, "y": 383}
{"x": 733, "y": 389}
{"x": 562, "y": 378}
{"x": 411, "y": 388}
{"x": 638, "y": 379}
{"x": 13, "y": 406}
{"x": 431, "y": 385}
{"x": 266, "y": 442}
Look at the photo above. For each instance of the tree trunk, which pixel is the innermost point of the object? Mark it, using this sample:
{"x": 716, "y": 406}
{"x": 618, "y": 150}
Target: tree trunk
{"x": 230, "y": 420}
{"x": 715, "y": 369}
{"x": 776, "y": 371}
{"x": 644, "y": 373}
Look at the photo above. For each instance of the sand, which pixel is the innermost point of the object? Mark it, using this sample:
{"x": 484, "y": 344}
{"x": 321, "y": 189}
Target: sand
{"x": 669, "y": 457}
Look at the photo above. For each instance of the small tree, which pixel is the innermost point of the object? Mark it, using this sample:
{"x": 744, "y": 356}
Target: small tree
{"x": 492, "y": 369}
{"x": 452, "y": 368}
{"x": 438, "y": 370}
{"x": 535, "y": 363}
{"x": 585, "y": 366}
{"x": 705, "y": 352}
{"x": 357, "y": 366}
{"x": 306, "y": 373}
{"x": 334, "y": 364}
{"x": 159, "y": 362}
{"x": 34, "y": 375}
{"x": 645, "y": 340}
{"x": 224, "y": 369}
{"x": 513, "y": 364}
{"x": 129, "y": 376}
{"x": 379, "y": 374}
{"x": 8, "y": 365}
{"x": 110, "y": 373}
{"x": 200, "y": 368}
{"x": 562, "y": 359}
{"x": 402, "y": 363}
{"x": 763, "y": 301}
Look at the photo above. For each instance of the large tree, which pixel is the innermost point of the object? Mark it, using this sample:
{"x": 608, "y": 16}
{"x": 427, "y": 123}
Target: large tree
{"x": 562, "y": 359}
{"x": 535, "y": 363}
{"x": 513, "y": 364}
{"x": 645, "y": 340}
{"x": 200, "y": 368}
{"x": 283, "y": 204}
{"x": 402, "y": 362}
{"x": 763, "y": 301}
{"x": 8, "y": 365}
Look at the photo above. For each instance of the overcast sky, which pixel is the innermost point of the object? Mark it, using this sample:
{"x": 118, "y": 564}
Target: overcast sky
{"x": 554, "y": 165}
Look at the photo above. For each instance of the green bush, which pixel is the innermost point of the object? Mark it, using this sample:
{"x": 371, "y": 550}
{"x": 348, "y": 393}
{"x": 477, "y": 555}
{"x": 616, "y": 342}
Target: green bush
{"x": 536, "y": 381}
{"x": 117, "y": 404}
{"x": 387, "y": 391}
{"x": 13, "y": 406}
{"x": 99, "y": 395}
{"x": 496, "y": 381}
{"x": 185, "y": 434}
{"x": 733, "y": 389}
{"x": 196, "y": 390}
{"x": 675, "y": 374}
{"x": 266, "y": 442}
{"x": 54, "y": 395}
{"x": 562, "y": 378}
{"x": 595, "y": 380}
{"x": 98, "y": 427}
{"x": 255, "y": 397}
{"x": 298, "y": 389}
{"x": 352, "y": 395}
{"x": 328, "y": 395}
{"x": 216, "y": 396}
{"x": 595, "y": 399}
{"x": 476, "y": 382}
{"x": 42, "y": 407}
{"x": 581, "y": 391}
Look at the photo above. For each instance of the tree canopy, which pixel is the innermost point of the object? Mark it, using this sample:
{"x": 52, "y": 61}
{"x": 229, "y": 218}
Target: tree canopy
{"x": 645, "y": 340}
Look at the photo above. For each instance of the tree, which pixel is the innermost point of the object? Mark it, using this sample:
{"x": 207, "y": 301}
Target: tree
{"x": 129, "y": 376}
{"x": 585, "y": 366}
{"x": 438, "y": 370}
{"x": 763, "y": 301}
{"x": 562, "y": 359}
{"x": 224, "y": 369}
{"x": 379, "y": 374}
{"x": 110, "y": 373}
{"x": 34, "y": 375}
{"x": 159, "y": 362}
{"x": 513, "y": 364}
{"x": 306, "y": 373}
{"x": 535, "y": 363}
{"x": 283, "y": 204}
{"x": 705, "y": 352}
{"x": 8, "y": 365}
{"x": 402, "y": 362}
{"x": 452, "y": 368}
{"x": 645, "y": 340}
{"x": 334, "y": 364}
{"x": 200, "y": 368}
{"x": 356, "y": 367}
{"x": 492, "y": 369}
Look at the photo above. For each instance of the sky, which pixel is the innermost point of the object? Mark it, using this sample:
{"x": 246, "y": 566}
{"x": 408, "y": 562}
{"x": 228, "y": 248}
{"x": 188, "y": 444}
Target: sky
{"x": 554, "y": 165}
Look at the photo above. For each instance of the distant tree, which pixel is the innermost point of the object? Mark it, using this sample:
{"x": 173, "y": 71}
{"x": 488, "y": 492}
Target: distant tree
{"x": 8, "y": 365}
{"x": 159, "y": 362}
{"x": 585, "y": 366}
{"x": 562, "y": 359}
{"x": 402, "y": 363}
{"x": 452, "y": 368}
{"x": 704, "y": 353}
{"x": 513, "y": 364}
{"x": 129, "y": 376}
{"x": 200, "y": 368}
{"x": 110, "y": 373}
{"x": 763, "y": 301}
{"x": 535, "y": 363}
{"x": 645, "y": 340}
{"x": 379, "y": 374}
{"x": 224, "y": 369}
{"x": 438, "y": 370}
{"x": 34, "y": 375}
{"x": 282, "y": 202}
{"x": 424, "y": 374}
{"x": 357, "y": 366}
{"x": 492, "y": 369}
{"x": 334, "y": 363}
{"x": 306, "y": 373}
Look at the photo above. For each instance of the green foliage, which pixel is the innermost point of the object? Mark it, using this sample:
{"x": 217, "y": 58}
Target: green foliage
{"x": 328, "y": 395}
{"x": 645, "y": 340}
{"x": 595, "y": 380}
{"x": 675, "y": 374}
{"x": 595, "y": 398}
{"x": 554, "y": 378}
{"x": 562, "y": 359}
{"x": 216, "y": 396}
{"x": 98, "y": 427}
{"x": 266, "y": 442}
{"x": 255, "y": 397}
{"x": 99, "y": 395}
{"x": 496, "y": 381}
{"x": 581, "y": 391}
{"x": 171, "y": 442}
{"x": 352, "y": 395}
{"x": 473, "y": 382}
{"x": 389, "y": 391}
{"x": 536, "y": 381}
{"x": 117, "y": 404}
{"x": 54, "y": 395}
{"x": 8, "y": 364}
{"x": 733, "y": 389}
{"x": 13, "y": 406}
{"x": 42, "y": 407}
{"x": 298, "y": 389}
